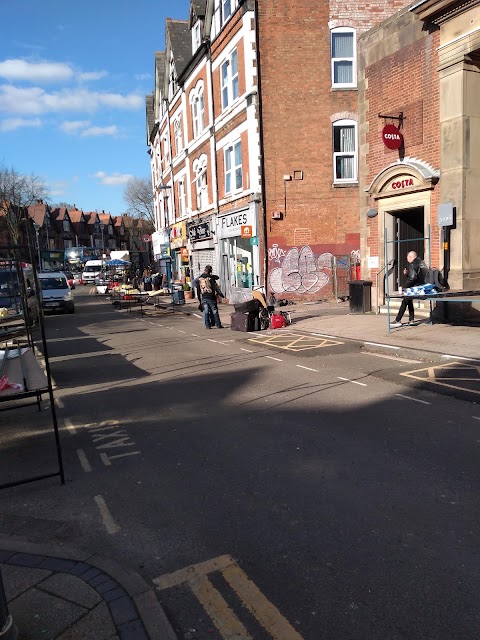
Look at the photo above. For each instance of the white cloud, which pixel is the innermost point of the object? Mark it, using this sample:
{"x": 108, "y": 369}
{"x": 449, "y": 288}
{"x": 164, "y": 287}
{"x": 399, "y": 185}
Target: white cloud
{"x": 92, "y": 75}
{"x": 72, "y": 126}
{"x": 112, "y": 179}
{"x": 35, "y": 101}
{"x": 10, "y": 124}
{"x": 112, "y": 130}
{"x": 35, "y": 71}
{"x": 143, "y": 76}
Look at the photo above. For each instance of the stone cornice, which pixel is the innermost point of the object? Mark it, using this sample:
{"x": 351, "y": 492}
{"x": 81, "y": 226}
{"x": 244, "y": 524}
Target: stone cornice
{"x": 439, "y": 11}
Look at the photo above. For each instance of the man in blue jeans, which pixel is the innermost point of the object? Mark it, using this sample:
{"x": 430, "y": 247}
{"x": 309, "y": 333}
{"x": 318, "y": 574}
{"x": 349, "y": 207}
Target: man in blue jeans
{"x": 207, "y": 291}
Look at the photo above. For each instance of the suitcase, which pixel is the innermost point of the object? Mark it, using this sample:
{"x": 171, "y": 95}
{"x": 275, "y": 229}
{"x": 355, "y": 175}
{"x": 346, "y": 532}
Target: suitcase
{"x": 247, "y": 307}
{"x": 242, "y": 321}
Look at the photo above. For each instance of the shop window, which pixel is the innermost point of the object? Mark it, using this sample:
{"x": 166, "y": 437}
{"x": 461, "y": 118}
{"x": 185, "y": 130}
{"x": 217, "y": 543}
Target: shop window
{"x": 233, "y": 168}
{"x": 343, "y": 57}
{"x": 229, "y": 79}
{"x": 178, "y": 134}
{"x": 345, "y": 151}
{"x": 198, "y": 110}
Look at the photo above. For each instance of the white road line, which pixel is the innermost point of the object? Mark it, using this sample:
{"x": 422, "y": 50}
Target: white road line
{"x": 195, "y": 335}
{"x": 361, "y": 384}
{"x": 461, "y": 358}
{"x": 414, "y": 399}
{"x": 247, "y": 350}
{"x": 307, "y": 368}
{"x": 59, "y": 403}
{"x": 475, "y": 417}
{"x": 324, "y": 335}
{"x": 154, "y": 323}
{"x": 397, "y": 358}
{"x": 210, "y": 340}
{"x": 197, "y": 315}
{"x": 180, "y": 331}
{"x": 272, "y": 358}
{"x": 379, "y": 344}
{"x": 70, "y": 427}
{"x": 110, "y": 525}
{"x": 83, "y": 460}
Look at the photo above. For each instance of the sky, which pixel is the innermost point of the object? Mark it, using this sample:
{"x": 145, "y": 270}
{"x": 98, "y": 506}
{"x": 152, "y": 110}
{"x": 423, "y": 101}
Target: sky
{"x": 73, "y": 81}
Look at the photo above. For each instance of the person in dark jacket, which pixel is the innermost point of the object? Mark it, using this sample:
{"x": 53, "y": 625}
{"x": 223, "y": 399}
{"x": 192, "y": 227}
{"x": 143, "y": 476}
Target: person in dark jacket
{"x": 415, "y": 272}
{"x": 207, "y": 292}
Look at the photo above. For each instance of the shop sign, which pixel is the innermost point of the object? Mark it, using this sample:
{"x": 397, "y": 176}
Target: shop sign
{"x": 391, "y": 136}
{"x": 246, "y": 231}
{"x": 254, "y": 241}
{"x": 402, "y": 183}
{"x": 199, "y": 232}
{"x": 178, "y": 235}
{"x": 156, "y": 243}
{"x": 184, "y": 252}
{"x": 146, "y": 238}
{"x": 230, "y": 226}
{"x": 445, "y": 214}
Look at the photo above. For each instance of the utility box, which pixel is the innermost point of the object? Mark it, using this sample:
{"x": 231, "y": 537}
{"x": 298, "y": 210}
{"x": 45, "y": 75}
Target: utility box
{"x": 178, "y": 295}
{"x": 360, "y": 296}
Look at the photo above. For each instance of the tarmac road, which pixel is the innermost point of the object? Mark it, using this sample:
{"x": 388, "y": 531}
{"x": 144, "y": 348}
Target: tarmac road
{"x": 272, "y": 485}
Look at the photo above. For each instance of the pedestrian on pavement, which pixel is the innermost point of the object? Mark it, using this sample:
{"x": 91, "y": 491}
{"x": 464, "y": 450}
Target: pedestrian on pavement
{"x": 415, "y": 271}
{"x": 207, "y": 292}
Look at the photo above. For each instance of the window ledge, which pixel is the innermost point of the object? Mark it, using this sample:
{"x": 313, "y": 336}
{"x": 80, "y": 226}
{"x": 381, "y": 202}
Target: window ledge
{"x": 343, "y": 185}
{"x": 335, "y": 89}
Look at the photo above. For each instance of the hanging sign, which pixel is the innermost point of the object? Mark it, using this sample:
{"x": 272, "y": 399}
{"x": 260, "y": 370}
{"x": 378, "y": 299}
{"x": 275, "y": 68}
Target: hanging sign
{"x": 391, "y": 136}
{"x": 246, "y": 231}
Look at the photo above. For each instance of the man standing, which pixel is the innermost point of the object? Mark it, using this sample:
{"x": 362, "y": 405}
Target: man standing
{"x": 415, "y": 272}
{"x": 207, "y": 292}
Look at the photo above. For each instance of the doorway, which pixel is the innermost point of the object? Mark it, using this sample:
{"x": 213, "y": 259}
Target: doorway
{"x": 409, "y": 229}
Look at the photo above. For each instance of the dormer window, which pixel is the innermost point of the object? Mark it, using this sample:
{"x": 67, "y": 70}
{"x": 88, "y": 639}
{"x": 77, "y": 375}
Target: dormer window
{"x": 226, "y": 7}
{"x": 66, "y": 225}
{"x": 196, "y": 36}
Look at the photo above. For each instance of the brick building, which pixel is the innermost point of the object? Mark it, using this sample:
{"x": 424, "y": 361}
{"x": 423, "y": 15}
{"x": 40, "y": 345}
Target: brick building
{"x": 399, "y": 191}
{"x": 252, "y": 129}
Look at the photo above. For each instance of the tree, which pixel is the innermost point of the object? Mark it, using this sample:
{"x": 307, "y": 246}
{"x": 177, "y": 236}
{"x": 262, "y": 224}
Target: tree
{"x": 139, "y": 199}
{"x": 16, "y": 193}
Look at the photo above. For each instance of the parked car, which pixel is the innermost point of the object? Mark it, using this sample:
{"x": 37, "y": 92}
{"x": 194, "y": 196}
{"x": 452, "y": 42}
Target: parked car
{"x": 11, "y": 290}
{"x": 55, "y": 292}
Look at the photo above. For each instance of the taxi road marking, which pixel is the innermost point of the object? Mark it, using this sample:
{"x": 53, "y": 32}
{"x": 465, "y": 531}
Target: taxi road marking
{"x": 252, "y": 598}
{"x": 452, "y": 366}
{"x": 294, "y": 341}
{"x": 110, "y": 525}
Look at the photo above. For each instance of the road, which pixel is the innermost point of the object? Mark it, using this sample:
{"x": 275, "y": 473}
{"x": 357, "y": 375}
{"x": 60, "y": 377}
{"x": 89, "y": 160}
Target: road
{"x": 279, "y": 485}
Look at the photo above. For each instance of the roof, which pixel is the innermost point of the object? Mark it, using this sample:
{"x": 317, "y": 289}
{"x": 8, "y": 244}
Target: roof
{"x": 75, "y": 215}
{"x": 180, "y": 39}
{"x": 37, "y": 211}
{"x": 199, "y": 7}
{"x": 150, "y": 114}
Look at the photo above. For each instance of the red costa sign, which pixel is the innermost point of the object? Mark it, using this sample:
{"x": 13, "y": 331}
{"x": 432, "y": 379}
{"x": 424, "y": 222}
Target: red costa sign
{"x": 402, "y": 184}
{"x": 391, "y": 136}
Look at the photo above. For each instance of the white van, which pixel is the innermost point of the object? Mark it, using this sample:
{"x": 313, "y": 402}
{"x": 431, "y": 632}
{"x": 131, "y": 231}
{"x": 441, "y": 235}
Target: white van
{"x": 56, "y": 293}
{"x": 92, "y": 270}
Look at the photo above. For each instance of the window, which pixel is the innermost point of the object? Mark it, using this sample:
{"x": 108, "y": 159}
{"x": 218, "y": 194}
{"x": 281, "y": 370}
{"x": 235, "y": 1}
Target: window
{"x": 198, "y": 111}
{"x": 233, "y": 168}
{"x": 66, "y": 224}
{"x": 226, "y": 9}
{"x": 182, "y": 198}
{"x": 200, "y": 169}
{"x": 178, "y": 135}
{"x": 345, "y": 151}
{"x": 344, "y": 73}
{"x": 196, "y": 36}
{"x": 229, "y": 79}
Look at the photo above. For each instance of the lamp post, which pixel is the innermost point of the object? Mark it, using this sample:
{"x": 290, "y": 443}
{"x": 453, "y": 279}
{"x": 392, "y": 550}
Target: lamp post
{"x": 103, "y": 240}
{"x": 37, "y": 229}
{"x": 164, "y": 187}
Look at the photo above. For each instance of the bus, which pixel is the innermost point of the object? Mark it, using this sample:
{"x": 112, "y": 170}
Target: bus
{"x": 76, "y": 257}
{"x": 52, "y": 260}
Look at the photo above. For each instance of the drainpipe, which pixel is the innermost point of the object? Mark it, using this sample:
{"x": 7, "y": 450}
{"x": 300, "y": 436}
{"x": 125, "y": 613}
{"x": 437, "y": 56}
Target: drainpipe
{"x": 262, "y": 150}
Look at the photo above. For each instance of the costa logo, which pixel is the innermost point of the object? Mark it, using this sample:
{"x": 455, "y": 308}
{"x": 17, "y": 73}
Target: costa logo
{"x": 391, "y": 136}
{"x": 401, "y": 184}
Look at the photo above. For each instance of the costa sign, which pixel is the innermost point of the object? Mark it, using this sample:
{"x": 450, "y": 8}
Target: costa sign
{"x": 391, "y": 136}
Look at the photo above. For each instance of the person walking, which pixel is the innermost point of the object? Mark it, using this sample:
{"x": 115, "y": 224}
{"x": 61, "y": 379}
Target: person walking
{"x": 207, "y": 292}
{"x": 415, "y": 272}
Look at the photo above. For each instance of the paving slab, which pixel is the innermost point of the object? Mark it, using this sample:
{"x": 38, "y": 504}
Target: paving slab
{"x": 96, "y": 624}
{"x": 18, "y": 579}
{"x": 70, "y": 587}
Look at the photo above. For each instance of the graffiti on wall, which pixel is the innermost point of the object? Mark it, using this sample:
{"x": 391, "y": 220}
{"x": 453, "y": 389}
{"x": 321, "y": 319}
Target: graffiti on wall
{"x": 299, "y": 270}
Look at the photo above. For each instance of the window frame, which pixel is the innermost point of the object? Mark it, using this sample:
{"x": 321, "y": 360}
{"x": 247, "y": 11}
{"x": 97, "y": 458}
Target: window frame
{"x": 182, "y": 197}
{"x": 230, "y": 175}
{"x": 196, "y": 36}
{"x": 223, "y": 17}
{"x": 201, "y": 182}
{"x": 178, "y": 135}
{"x": 336, "y": 154}
{"x": 198, "y": 118}
{"x": 353, "y": 59}
{"x": 230, "y": 81}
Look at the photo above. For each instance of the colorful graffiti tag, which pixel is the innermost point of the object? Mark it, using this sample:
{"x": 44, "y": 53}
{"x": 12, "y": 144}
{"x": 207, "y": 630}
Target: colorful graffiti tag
{"x": 299, "y": 271}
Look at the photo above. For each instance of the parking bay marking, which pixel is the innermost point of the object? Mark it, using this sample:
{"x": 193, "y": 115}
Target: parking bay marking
{"x": 443, "y": 375}
{"x": 361, "y": 384}
{"x": 294, "y": 341}
{"x": 400, "y": 395}
{"x": 229, "y": 626}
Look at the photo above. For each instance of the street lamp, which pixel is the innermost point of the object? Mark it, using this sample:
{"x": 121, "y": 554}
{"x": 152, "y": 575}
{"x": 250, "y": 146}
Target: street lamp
{"x": 164, "y": 187}
{"x": 37, "y": 229}
{"x": 103, "y": 240}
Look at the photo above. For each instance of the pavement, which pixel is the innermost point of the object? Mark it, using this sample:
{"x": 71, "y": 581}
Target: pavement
{"x": 55, "y": 593}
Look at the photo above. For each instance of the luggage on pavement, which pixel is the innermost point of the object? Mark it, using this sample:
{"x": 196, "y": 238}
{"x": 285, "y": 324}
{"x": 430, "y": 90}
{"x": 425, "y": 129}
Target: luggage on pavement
{"x": 243, "y": 321}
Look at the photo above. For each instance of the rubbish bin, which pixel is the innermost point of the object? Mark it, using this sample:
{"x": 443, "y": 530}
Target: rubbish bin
{"x": 178, "y": 295}
{"x": 360, "y": 295}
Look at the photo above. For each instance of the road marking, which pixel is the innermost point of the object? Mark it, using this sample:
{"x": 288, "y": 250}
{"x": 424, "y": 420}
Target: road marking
{"x": 289, "y": 341}
{"x": 195, "y": 335}
{"x": 106, "y": 458}
{"x": 325, "y": 335}
{"x": 307, "y": 368}
{"x": 83, "y": 460}
{"x": 247, "y": 350}
{"x": 110, "y": 525}
{"x": 210, "y": 340}
{"x": 470, "y": 373}
{"x": 272, "y": 358}
{"x": 361, "y": 384}
{"x": 461, "y": 358}
{"x": 475, "y": 417}
{"x": 267, "y": 615}
{"x": 414, "y": 399}
{"x": 197, "y": 315}
{"x": 379, "y": 344}
{"x": 397, "y": 358}
{"x": 180, "y": 331}
{"x": 154, "y": 323}
{"x": 222, "y": 616}
{"x": 59, "y": 402}
{"x": 69, "y": 426}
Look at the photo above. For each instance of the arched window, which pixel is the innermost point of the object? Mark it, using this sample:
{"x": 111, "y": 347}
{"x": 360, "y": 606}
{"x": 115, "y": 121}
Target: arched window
{"x": 198, "y": 109}
{"x": 343, "y": 57}
{"x": 345, "y": 151}
{"x": 200, "y": 171}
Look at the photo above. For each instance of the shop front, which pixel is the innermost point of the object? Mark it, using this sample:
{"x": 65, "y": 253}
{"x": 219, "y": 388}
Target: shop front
{"x": 238, "y": 252}
{"x": 201, "y": 247}
{"x": 179, "y": 252}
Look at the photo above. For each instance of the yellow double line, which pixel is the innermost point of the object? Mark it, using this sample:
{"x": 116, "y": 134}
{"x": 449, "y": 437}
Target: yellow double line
{"x": 227, "y": 623}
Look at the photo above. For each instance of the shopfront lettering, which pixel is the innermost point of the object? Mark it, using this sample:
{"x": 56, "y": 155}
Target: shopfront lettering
{"x": 199, "y": 232}
{"x": 401, "y": 184}
{"x": 234, "y": 220}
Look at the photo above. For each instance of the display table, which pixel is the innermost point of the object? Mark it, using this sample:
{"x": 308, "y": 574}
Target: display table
{"x": 24, "y": 369}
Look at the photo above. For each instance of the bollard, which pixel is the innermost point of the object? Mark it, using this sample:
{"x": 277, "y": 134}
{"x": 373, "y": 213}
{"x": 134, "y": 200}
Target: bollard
{"x": 8, "y": 631}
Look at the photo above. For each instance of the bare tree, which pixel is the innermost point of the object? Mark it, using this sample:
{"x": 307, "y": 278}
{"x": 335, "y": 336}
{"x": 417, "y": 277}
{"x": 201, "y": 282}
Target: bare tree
{"x": 138, "y": 196}
{"x": 16, "y": 193}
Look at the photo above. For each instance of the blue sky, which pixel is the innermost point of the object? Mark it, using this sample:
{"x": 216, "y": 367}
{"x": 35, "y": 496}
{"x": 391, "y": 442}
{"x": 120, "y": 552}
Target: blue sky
{"x": 73, "y": 81}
